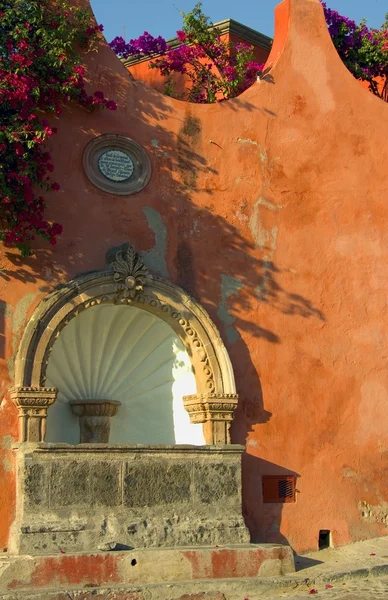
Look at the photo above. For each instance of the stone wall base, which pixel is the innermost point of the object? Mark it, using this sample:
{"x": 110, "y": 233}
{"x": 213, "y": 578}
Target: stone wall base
{"x": 83, "y": 498}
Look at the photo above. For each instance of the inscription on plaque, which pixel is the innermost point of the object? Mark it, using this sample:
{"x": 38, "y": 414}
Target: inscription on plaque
{"x": 116, "y": 165}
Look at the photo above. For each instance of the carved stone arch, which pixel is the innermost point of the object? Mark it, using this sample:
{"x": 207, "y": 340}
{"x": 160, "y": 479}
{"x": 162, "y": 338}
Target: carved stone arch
{"x": 126, "y": 281}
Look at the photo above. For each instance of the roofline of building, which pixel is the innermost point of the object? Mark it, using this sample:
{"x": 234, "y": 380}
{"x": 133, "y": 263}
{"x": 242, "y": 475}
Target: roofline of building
{"x": 227, "y": 26}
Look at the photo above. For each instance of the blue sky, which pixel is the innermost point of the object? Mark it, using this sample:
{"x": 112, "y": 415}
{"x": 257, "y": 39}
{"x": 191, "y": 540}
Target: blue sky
{"x": 160, "y": 17}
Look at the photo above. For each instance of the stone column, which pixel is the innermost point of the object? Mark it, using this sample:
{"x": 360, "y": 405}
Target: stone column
{"x": 32, "y": 403}
{"x": 215, "y": 411}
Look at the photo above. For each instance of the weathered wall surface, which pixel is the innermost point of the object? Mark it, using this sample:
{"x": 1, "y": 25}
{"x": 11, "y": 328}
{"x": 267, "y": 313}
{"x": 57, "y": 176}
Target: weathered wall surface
{"x": 271, "y": 209}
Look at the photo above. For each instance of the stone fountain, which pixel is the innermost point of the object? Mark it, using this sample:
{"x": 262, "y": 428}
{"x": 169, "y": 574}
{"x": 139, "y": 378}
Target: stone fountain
{"x": 94, "y": 419}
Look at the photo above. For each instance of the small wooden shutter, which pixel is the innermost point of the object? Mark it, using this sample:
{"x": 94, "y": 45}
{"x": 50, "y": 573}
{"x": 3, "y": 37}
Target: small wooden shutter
{"x": 278, "y": 488}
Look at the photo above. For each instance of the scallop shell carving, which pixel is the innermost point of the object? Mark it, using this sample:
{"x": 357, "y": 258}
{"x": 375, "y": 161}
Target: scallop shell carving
{"x": 120, "y": 352}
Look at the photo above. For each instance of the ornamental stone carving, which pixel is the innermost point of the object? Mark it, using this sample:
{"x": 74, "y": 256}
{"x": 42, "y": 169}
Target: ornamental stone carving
{"x": 116, "y": 164}
{"x": 125, "y": 280}
{"x": 32, "y": 403}
{"x": 130, "y": 273}
{"x": 215, "y": 411}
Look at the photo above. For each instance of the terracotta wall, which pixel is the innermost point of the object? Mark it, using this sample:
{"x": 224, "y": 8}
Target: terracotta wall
{"x": 271, "y": 209}
{"x": 382, "y": 85}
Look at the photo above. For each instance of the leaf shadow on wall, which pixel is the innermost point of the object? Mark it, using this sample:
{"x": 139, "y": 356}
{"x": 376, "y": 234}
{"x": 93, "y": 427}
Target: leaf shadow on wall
{"x": 218, "y": 263}
{"x": 207, "y": 254}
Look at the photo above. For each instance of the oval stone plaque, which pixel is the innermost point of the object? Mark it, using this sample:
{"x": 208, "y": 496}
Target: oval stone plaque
{"x": 116, "y": 165}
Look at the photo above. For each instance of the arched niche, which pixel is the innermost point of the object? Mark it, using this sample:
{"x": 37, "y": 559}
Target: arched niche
{"x": 126, "y": 282}
{"x": 125, "y": 354}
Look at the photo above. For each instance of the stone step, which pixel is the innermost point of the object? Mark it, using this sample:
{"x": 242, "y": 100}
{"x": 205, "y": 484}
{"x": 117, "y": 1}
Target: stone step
{"x": 221, "y": 589}
{"x": 144, "y": 566}
{"x": 265, "y": 588}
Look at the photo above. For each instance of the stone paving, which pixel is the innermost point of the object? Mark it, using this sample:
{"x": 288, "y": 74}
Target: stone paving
{"x": 347, "y": 573}
{"x": 355, "y": 589}
{"x": 359, "y": 557}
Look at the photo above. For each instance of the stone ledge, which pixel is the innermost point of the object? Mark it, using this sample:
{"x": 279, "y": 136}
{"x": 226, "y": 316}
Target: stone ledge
{"x": 45, "y": 448}
{"x": 210, "y": 589}
{"x": 144, "y": 566}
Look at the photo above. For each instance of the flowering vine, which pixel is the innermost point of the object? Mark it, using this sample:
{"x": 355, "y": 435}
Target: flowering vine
{"x": 364, "y": 51}
{"x": 40, "y": 71}
{"x": 216, "y": 70}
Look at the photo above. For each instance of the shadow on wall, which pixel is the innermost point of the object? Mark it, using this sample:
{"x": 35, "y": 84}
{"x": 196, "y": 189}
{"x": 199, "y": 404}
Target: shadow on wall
{"x": 206, "y": 254}
{"x": 263, "y": 519}
{"x": 226, "y": 272}
{"x": 3, "y": 311}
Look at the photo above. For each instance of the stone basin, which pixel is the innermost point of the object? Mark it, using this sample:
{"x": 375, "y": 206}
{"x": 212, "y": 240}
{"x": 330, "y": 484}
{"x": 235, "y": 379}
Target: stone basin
{"x": 94, "y": 419}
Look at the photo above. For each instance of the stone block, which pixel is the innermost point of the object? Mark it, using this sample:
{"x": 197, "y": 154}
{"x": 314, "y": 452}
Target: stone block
{"x": 36, "y": 484}
{"x": 157, "y": 483}
{"x": 216, "y": 482}
{"x": 105, "y": 483}
{"x": 70, "y": 484}
{"x": 75, "y": 483}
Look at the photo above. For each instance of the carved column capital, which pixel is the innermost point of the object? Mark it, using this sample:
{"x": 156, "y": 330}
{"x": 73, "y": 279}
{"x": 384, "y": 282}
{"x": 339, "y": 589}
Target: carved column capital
{"x": 215, "y": 411}
{"x": 32, "y": 403}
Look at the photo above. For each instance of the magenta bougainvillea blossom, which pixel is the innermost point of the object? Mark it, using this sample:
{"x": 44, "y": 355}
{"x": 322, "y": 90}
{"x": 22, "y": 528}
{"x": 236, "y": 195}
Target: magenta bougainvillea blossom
{"x": 40, "y": 72}
{"x": 216, "y": 69}
{"x": 364, "y": 51}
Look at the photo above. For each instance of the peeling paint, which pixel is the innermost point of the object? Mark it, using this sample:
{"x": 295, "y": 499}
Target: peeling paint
{"x": 155, "y": 258}
{"x": 260, "y": 234}
{"x": 20, "y": 312}
{"x": 158, "y": 152}
{"x": 247, "y": 141}
{"x": 230, "y": 286}
{"x": 7, "y": 464}
{"x": 253, "y": 443}
{"x": 18, "y": 321}
{"x": 7, "y": 441}
{"x": 6, "y": 310}
{"x": 6, "y": 444}
{"x": 265, "y": 239}
{"x": 374, "y": 513}
{"x": 269, "y": 205}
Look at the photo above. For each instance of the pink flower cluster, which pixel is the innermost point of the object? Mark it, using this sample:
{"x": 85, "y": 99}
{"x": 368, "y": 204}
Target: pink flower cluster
{"x": 364, "y": 51}
{"x": 215, "y": 71}
{"x": 33, "y": 81}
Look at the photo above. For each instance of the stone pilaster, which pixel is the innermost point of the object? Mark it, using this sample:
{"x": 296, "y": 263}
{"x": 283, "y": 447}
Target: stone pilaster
{"x": 215, "y": 411}
{"x": 33, "y": 403}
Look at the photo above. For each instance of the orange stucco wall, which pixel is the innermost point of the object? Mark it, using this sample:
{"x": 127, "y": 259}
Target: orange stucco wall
{"x": 271, "y": 209}
{"x": 382, "y": 87}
